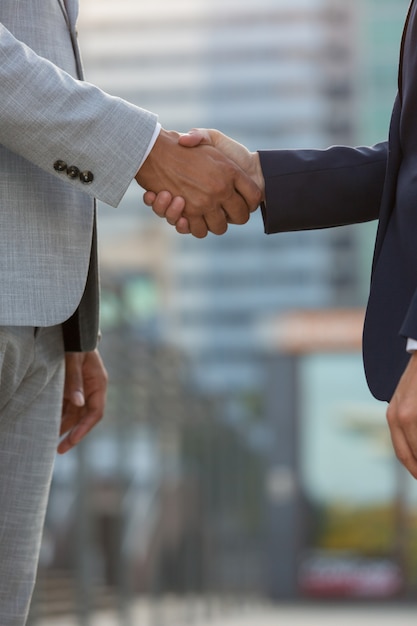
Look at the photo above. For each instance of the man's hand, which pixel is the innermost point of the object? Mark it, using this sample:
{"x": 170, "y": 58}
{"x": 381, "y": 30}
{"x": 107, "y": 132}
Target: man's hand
{"x": 165, "y": 204}
{"x": 402, "y": 417}
{"x": 84, "y": 396}
{"x": 238, "y": 153}
{"x": 215, "y": 189}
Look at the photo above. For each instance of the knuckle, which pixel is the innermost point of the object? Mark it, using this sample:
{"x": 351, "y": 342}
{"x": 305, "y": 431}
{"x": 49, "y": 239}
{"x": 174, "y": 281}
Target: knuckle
{"x": 405, "y": 416}
{"x": 400, "y": 414}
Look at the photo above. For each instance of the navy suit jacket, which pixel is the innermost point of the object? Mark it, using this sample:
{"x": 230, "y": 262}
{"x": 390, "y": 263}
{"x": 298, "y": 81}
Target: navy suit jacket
{"x": 307, "y": 189}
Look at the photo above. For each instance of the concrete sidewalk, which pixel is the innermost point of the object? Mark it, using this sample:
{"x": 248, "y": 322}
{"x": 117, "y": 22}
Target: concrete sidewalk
{"x": 302, "y": 614}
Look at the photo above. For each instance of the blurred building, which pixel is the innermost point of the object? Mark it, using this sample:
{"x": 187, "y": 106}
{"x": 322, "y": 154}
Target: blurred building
{"x": 272, "y": 74}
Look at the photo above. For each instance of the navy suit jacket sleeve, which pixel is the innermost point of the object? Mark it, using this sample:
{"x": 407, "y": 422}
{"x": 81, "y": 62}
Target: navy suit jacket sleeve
{"x": 309, "y": 189}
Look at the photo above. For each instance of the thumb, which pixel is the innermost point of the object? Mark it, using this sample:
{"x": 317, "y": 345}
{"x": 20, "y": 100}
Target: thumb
{"x": 196, "y": 137}
{"x": 74, "y": 385}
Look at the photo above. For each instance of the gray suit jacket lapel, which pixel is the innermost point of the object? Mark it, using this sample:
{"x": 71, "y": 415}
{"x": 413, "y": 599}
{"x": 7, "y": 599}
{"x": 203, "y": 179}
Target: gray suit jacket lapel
{"x": 69, "y": 9}
{"x": 64, "y": 9}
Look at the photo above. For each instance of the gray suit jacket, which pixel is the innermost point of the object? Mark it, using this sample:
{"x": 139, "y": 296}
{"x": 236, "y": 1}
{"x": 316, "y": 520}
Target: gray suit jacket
{"x": 63, "y": 143}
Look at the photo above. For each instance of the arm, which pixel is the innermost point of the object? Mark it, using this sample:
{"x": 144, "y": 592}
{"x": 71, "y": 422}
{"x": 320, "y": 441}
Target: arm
{"x": 351, "y": 181}
{"x": 301, "y": 189}
{"x": 46, "y": 116}
{"x": 55, "y": 122}
{"x": 308, "y": 189}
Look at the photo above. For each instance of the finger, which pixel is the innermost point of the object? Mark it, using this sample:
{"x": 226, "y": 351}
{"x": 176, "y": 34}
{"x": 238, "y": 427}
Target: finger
{"x": 195, "y": 137}
{"x": 216, "y": 222}
{"x": 161, "y": 203}
{"x": 77, "y": 433}
{"x": 402, "y": 421}
{"x": 182, "y": 226}
{"x": 174, "y": 210}
{"x": 198, "y": 227}
{"x": 69, "y": 418}
{"x": 149, "y": 198}
{"x": 81, "y": 421}
{"x": 248, "y": 190}
{"x": 403, "y": 450}
{"x": 236, "y": 209}
{"x": 74, "y": 386}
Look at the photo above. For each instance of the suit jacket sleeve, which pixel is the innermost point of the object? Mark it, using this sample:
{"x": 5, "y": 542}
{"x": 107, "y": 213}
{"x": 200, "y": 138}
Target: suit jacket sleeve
{"x": 47, "y": 115}
{"x": 308, "y": 189}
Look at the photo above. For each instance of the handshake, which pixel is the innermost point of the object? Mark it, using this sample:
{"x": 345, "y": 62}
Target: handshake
{"x": 201, "y": 181}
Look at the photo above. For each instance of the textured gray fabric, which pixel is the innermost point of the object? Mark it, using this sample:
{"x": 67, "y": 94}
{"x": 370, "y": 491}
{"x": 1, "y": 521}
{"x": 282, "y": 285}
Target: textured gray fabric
{"x": 47, "y": 115}
{"x": 31, "y": 379}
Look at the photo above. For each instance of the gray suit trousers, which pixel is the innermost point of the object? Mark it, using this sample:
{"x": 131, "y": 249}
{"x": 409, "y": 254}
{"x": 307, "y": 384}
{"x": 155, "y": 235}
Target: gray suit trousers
{"x": 31, "y": 387}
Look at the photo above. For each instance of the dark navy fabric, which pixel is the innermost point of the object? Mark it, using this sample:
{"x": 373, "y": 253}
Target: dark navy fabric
{"x": 343, "y": 185}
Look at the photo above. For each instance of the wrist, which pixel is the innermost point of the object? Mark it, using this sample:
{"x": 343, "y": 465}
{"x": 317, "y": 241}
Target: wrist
{"x": 149, "y": 173}
{"x": 151, "y": 144}
{"x": 257, "y": 174}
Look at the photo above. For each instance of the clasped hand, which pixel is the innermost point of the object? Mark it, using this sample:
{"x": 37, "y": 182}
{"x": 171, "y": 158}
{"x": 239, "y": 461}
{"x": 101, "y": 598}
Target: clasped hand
{"x": 218, "y": 182}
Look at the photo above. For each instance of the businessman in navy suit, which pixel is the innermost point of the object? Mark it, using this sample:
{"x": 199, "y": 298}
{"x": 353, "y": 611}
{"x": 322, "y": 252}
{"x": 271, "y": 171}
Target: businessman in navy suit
{"x": 307, "y": 189}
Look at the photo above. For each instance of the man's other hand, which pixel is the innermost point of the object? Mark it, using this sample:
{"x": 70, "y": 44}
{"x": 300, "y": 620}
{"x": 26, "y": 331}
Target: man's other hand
{"x": 84, "y": 396}
{"x": 402, "y": 417}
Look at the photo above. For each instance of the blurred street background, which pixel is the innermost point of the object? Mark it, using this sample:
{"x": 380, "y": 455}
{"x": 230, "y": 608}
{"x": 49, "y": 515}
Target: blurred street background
{"x": 243, "y": 473}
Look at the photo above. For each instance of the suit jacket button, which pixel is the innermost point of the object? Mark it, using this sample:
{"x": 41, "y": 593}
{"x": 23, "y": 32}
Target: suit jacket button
{"x": 86, "y": 177}
{"x": 60, "y": 166}
{"x": 73, "y": 171}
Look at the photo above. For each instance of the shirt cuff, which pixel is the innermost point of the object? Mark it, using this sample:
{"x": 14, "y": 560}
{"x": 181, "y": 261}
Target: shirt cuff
{"x": 411, "y": 345}
{"x": 151, "y": 144}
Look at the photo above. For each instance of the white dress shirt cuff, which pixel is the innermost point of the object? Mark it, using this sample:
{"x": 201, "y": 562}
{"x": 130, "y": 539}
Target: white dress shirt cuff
{"x": 411, "y": 345}
{"x": 151, "y": 143}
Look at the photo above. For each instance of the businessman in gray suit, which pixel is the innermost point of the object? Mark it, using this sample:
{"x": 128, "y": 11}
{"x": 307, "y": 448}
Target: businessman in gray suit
{"x": 63, "y": 143}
